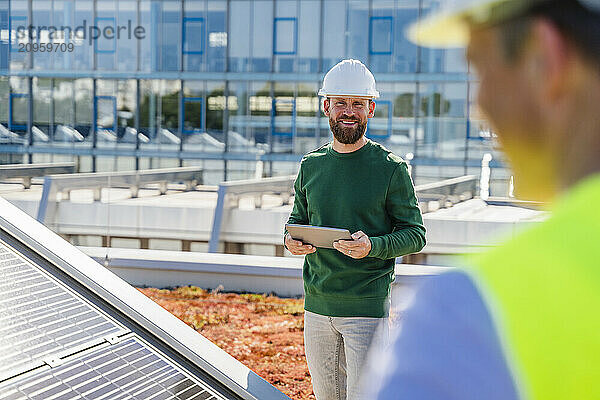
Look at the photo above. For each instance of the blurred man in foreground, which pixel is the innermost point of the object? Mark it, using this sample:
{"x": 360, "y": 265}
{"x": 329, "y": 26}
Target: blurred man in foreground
{"x": 522, "y": 320}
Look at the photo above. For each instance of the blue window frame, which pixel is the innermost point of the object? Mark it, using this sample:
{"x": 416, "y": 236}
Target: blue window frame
{"x": 285, "y": 36}
{"x": 191, "y": 100}
{"x": 11, "y": 24}
{"x": 104, "y": 44}
{"x": 11, "y": 124}
{"x": 193, "y": 28}
{"x": 98, "y": 103}
{"x": 276, "y": 130}
{"x": 472, "y": 134}
{"x": 390, "y": 112}
{"x": 381, "y": 35}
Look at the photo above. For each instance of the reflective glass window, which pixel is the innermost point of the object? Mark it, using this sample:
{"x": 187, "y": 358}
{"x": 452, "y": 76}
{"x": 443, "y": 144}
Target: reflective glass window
{"x": 84, "y": 98}
{"x": 262, "y": 36}
{"x": 194, "y": 35}
{"x": 405, "y": 52}
{"x": 64, "y": 99}
{"x": 260, "y": 103}
{"x": 380, "y": 32}
{"x": 169, "y": 105}
{"x": 149, "y": 50}
{"x": 18, "y": 106}
{"x": 42, "y": 20}
{"x": 215, "y": 106}
{"x": 193, "y": 108}
{"x": 192, "y": 115}
{"x": 440, "y": 60}
{"x": 18, "y": 36}
{"x": 129, "y": 33}
{"x": 443, "y": 111}
{"x": 404, "y": 122}
{"x": 149, "y": 100}
{"x": 203, "y": 107}
{"x": 204, "y": 35}
{"x": 358, "y": 39}
{"x": 63, "y": 37}
{"x": 307, "y": 118}
{"x": 159, "y": 113}
{"x": 216, "y": 49}
{"x": 283, "y": 118}
{"x": 84, "y": 49}
{"x": 380, "y": 126}
{"x": 126, "y": 109}
{"x": 309, "y": 33}
{"x": 285, "y": 35}
{"x": 334, "y": 32}
{"x": 9, "y": 87}
{"x": 170, "y": 35}
{"x": 105, "y": 33}
{"x": 382, "y": 35}
{"x": 4, "y": 34}
{"x": 239, "y": 28}
{"x": 241, "y": 137}
{"x": 105, "y": 107}
{"x": 4, "y": 90}
{"x": 42, "y": 103}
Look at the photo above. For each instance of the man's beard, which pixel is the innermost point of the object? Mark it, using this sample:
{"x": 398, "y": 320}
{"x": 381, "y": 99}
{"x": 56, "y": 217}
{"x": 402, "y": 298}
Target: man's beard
{"x": 347, "y": 135}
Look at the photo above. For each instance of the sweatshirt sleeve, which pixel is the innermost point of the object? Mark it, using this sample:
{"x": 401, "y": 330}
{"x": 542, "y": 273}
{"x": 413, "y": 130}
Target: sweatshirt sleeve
{"x": 299, "y": 214}
{"x": 408, "y": 235}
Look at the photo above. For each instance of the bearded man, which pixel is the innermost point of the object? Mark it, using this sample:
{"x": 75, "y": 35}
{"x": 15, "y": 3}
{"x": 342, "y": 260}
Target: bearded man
{"x": 355, "y": 184}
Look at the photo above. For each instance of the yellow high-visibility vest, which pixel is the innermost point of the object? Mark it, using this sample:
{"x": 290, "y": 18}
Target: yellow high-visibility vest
{"x": 543, "y": 288}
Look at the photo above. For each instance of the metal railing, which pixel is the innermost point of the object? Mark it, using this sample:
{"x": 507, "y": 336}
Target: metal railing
{"x": 28, "y": 171}
{"x": 231, "y": 191}
{"x": 133, "y": 180}
{"x": 447, "y": 192}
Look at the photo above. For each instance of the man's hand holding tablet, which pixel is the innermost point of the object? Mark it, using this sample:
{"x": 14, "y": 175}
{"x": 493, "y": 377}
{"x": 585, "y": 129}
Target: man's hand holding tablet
{"x": 357, "y": 248}
{"x": 304, "y": 239}
{"x": 297, "y": 247}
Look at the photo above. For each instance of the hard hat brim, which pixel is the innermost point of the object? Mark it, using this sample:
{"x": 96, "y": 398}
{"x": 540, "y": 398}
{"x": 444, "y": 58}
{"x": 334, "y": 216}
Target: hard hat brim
{"x": 451, "y": 28}
{"x": 342, "y": 94}
{"x": 440, "y": 31}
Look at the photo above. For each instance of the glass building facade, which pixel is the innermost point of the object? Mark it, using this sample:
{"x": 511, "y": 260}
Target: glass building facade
{"x": 126, "y": 84}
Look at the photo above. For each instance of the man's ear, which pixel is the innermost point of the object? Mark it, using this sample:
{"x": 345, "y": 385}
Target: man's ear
{"x": 371, "y": 109}
{"x": 554, "y": 52}
{"x": 326, "y": 104}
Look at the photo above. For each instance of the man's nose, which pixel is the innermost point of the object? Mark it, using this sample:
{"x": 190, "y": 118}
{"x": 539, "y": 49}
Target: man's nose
{"x": 349, "y": 110}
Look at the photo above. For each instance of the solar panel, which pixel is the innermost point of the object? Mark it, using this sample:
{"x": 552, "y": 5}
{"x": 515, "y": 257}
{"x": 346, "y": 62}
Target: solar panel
{"x": 130, "y": 369}
{"x": 70, "y": 329}
{"x": 41, "y": 317}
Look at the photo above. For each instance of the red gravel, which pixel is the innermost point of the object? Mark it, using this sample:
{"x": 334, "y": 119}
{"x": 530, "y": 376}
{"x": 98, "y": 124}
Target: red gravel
{"x": 263, "y": 332}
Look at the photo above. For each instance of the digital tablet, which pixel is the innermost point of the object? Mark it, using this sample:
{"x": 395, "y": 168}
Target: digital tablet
{"x": 318, "y": 236}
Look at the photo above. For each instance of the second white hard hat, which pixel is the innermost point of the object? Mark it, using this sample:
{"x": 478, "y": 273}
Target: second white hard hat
{"x": 349, "y": 78}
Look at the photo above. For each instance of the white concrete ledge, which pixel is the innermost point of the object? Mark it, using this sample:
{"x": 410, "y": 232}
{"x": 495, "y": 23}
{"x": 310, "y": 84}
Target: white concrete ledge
{"x": 280, "y": 275}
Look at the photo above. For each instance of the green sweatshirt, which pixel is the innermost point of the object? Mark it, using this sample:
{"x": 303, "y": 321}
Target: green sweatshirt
{"x": 368, "y": 190}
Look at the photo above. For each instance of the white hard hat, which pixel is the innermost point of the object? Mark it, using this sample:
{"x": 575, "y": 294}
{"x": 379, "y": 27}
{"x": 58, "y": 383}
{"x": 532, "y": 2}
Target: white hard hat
{"x": 349, "y": 78}
{"x": 449, "y": 26}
